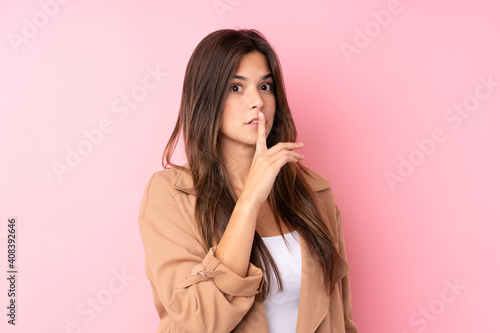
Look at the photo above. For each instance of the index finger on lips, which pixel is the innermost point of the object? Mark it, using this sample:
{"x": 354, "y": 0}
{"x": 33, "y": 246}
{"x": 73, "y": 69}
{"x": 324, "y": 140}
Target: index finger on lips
{"x": 261, "y": 134}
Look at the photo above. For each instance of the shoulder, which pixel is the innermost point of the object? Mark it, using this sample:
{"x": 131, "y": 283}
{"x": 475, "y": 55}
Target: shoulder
{"x": 316, "y": 181}
{"x": 165, "y": 184}
{"x": 322, "y": 187}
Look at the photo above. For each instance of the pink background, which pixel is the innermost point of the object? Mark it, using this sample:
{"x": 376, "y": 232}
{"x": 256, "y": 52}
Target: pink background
{"x": 424, "y": 251}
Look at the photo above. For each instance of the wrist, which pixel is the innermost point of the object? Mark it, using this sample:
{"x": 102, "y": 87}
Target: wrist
{"x": 248, "y": 204}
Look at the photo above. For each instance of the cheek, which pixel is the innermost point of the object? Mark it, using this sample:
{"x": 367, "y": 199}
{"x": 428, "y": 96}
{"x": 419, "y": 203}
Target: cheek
{"x": 225, "y": 117}
{"x": 226, "y": 125}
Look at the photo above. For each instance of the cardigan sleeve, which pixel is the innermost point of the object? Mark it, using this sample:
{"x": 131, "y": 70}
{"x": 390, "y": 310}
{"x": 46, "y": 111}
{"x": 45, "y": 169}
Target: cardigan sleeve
{"x": 193, "y": 290}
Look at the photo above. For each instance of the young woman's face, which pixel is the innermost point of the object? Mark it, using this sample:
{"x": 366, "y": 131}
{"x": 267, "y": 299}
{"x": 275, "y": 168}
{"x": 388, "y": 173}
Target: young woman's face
{"x": 251, "y": 91}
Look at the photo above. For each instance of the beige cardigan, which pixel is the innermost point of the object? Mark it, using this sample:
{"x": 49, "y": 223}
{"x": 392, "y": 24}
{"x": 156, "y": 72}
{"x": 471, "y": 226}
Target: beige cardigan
{"x": 194, "y": 292}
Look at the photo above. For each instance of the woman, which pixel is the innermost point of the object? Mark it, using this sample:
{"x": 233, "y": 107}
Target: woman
{"x": 242, "y": 238}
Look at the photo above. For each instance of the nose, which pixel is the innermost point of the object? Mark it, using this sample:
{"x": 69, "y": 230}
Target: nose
{"x": 255, "y": 99}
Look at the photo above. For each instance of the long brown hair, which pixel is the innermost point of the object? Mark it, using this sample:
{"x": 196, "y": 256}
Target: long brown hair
{"x": 205, "y": 89}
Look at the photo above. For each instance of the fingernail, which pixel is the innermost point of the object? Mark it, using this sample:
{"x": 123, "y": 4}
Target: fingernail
{"x": 261, "y": 115}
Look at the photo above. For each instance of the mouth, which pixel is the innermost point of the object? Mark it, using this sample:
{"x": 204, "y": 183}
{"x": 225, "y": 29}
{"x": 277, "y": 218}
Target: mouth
{"x": 253, "y": 121}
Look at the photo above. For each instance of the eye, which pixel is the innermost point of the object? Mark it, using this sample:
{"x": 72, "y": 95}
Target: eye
{"x": 267, "y": 86}
{"x": 236, "y": 88}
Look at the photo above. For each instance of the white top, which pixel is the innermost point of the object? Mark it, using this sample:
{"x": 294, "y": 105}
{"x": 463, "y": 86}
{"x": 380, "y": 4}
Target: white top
{"x": 282, "y": 308}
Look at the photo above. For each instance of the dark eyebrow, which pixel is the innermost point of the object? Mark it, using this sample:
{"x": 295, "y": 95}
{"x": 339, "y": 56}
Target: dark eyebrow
{"x": 242, "y": 78}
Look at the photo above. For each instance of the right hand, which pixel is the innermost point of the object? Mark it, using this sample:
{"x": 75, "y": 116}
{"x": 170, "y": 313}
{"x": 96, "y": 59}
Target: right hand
{"x": 266, "y": 164}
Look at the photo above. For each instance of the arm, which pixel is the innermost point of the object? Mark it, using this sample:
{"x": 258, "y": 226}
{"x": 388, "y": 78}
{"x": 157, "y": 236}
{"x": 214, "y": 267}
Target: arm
{"x": 214, "y": 300}
{"x": 235, "y": 246}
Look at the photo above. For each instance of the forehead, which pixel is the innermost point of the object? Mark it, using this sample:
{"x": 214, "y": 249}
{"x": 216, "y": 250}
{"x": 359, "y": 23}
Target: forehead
{"x": 253, "y": 63}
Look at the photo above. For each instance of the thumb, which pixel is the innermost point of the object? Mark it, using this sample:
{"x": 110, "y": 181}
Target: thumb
{"x": 261, "y": 134}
